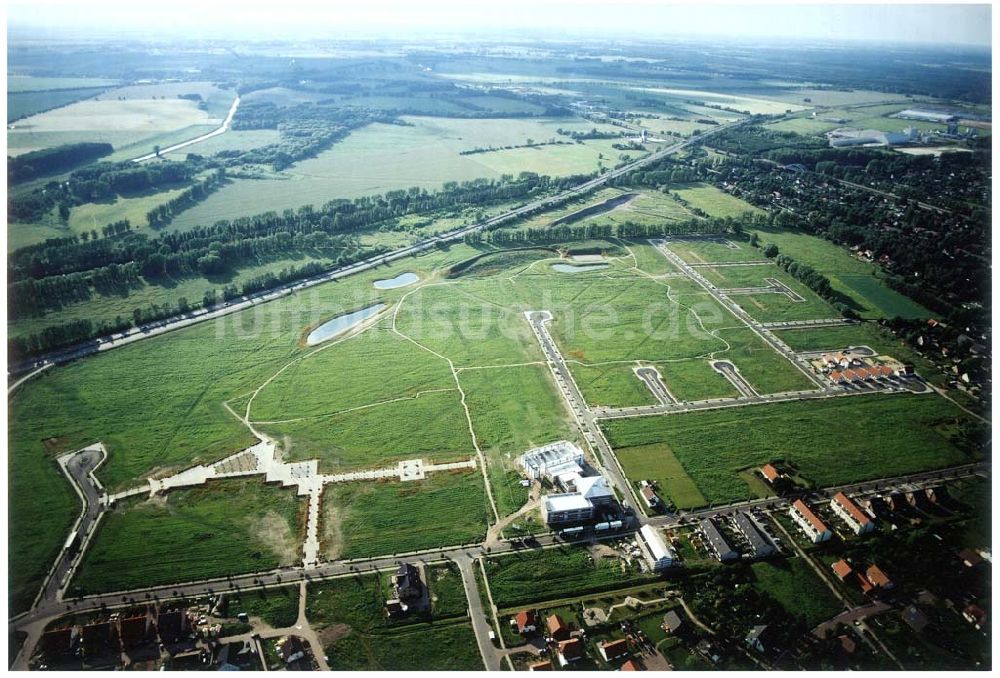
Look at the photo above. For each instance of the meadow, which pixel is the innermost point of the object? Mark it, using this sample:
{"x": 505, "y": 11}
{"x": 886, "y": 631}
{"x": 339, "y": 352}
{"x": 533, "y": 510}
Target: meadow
{"x": 694, "y": 379}
{"x": 277, "y": 607}
{"x": 911, "y": 432}
{"x": 222, "y": 528}
{"x": 25, "y": 103}
{"x": 613, "y": 385}
{"x": 34, "y": 83}
{"x": 382, "y": 157}
{"x": 533, "y": 576}
{"x": 715, "y": 201}
{"x": 376, "y": 518}
{"x": 656, "y": 463}
{"x": 713, "y": 250}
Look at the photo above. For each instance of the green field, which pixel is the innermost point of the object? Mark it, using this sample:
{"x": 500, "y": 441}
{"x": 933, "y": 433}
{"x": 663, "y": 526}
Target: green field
{"x": 223, "y": 528}
{"x": 276, "y": 607}
{"x": 362, "y": 519}
{"x": 911, "y": 432}
{"x": 382, "y": 157}
{"x": 713, "y": 250}
{"x": 513, "y": 409}
{"x": 34, "y": 83}
{"x": 648, "y": 258}
{"x": 566, "y": 571}
{"x": 447, "y": 591}
{"x": 715, "y": 202}
{"x": 694, "y": 379}
{"x": 657, "y": 463}
{"x": 794, "y": 584}
{"x": 614, "y": 385}
{"x": 347, "y": 614}
{"x": 767, "y": 370}
{"x": 857, "y": 280}
{"x": 29, "y": 102}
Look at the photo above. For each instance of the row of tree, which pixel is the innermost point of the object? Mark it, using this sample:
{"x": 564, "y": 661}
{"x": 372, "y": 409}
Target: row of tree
{"x": 162, "y": 215}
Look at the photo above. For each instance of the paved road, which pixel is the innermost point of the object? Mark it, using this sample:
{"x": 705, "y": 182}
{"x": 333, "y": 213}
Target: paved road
{"x": 850, "y": 616}
{"x": 825, "y": 322}
{"x": 732, "y": 374}
{"x": 480, "y": 619}
{"x": 214, "y": 133}
{"x": 654, "y": 381}
{"x": 167, "y": 325}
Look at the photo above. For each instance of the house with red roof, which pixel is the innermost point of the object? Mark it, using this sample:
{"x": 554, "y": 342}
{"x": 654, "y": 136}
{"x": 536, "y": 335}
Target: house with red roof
{"x": 570, "y": 651}
{"x": 525, "y": 621}
{"x": 632, "y": 665}
{"x": 878, "y": 578}
{"x": 557, "y": 627}
{"x": 770, "y": 473}
{"x": 842, "y": 569}
{"x": 541, "y": 666}
{"x": 613, "y": 649}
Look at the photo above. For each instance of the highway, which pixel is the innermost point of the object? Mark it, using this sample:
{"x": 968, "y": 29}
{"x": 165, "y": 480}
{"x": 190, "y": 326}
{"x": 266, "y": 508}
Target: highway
{"x": 185, "y": 320}
{"x": 214, "y": 133}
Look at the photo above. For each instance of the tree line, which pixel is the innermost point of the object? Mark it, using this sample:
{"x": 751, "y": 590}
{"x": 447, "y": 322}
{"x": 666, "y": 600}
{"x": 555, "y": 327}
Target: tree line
{"x": 38, "y": 163}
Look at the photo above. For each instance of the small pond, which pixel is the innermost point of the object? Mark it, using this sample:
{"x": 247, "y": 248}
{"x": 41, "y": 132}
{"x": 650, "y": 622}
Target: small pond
{"x": 341, "y": 323}
{"x": 401, "y": 280}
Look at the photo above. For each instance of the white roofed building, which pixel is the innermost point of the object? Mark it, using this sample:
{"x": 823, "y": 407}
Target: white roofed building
{"x": 566, "y": 508}
{"x": 660, "y": 554}
{"x": 551, "y": 461}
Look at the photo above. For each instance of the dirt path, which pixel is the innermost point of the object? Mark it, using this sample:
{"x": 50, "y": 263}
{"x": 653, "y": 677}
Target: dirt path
{"x": 534, "y": 501}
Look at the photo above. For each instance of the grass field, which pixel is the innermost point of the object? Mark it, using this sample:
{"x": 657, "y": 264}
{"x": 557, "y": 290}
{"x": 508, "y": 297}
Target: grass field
{"x": 34, "y": 83}
{"x": 566, "y": 571}
{"x": 356, "y": 635}
{"x": 447, "y": 508}
{"x": 713, "y": 250}
{"x": 793, "y": 583}
{"x": 513, "y": 409}
{"x": 277, "y": 607}
{"x": 658, "y": 464}
{"x": 221, "y": 528}
{"x": 767, "y": 370}
{"x": 614, "y": 385}
{"x": 715, "y": 202}
{"x": 694, "y": 379}
{"x": 233, "y": 140}
{"x": 382, "y": 157}
{"x": 648, "y": 258}
{"x": 447, "y": 591}
{"x": 912, "y": 433}
{"x": 30, "y": 102}
{"x": 848, "y": 275}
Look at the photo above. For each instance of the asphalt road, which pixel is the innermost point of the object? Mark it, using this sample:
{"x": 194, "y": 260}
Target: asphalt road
{"x": 480, "y": 619}
{"x": 214, "y": 133}
{"x": 160, "y": 327}
{"x": 655, "y": 384}
{"x": 729, "y": 371}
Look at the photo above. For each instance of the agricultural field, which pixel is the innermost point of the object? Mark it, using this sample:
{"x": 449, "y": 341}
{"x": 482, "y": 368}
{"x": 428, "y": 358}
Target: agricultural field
{"x": 714, "y": 446}
{"x": 713, "y": 250}
{"x": 751, "y": 105}
{"x": 232, "y": 140}
{"x": 566, "y": 570}
{"x": 222, "y": 528}
{"x": 656, "y": 463}
{"x": 29, "y": 102}
{"x": 382, "y": 157}
{"x": 347, "y": 614}
{"x": 34, "y": 83}
{"x": 612, "y": 385}
{"x": 362, "y": 519}
{"x": 276, "y": 607}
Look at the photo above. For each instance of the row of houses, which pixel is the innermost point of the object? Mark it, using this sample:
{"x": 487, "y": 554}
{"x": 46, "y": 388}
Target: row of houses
{"x": 760, "y": 545}
{"x": 842, "y": 506}
{"x": 870, "y": 581}
{"x": 862, "y": 374}
{"x": 117, "y": 634}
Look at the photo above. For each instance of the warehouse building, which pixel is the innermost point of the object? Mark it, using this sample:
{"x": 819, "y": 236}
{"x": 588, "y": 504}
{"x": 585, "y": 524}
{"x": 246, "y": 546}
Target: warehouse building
{"x": 926, "y": 116}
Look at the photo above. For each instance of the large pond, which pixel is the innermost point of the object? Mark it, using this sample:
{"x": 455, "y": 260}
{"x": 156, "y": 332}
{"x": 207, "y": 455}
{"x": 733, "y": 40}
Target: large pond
{"x": 570, "y": 268}
{"x": 401, "y": 280}
{"x": 341, "y": 323}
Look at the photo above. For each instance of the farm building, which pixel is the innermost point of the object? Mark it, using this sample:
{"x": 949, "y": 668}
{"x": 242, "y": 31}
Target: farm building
{"x": 760, "y": 545}
{"x": 660, "y": 555}
{"x": 716, "y": 542}
{"x": 552, "y": 460}
{"x": 613, "y": 649}
{"x": 851, "y": 513}
{"x": 809, "y": 522}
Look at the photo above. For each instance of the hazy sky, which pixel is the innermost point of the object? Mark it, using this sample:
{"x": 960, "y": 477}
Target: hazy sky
{"x": 261, "y": 19}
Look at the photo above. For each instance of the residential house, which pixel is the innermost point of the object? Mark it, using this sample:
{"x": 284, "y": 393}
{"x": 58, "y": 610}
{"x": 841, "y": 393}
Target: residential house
{"x": 632, "y": 665}
{"x": 136, "y": 632}
{"x": 917, "y": 499}
{"x": 648, "y": 495}
{"x": 851, "y": 513}
{"x": 760, "y": 545}
{"x": 98, "y": 638}
{"x": 809, "y": 522}
{"x": 613, "y": 649}
{"x": 672, "y": 622}
{"x": 896, "y": 501}
{"x": 525, "y": 621}
{"x": 842, "y": 569}
{"x": 915, "y": 618}
{"x": 541, "y": 666}
{"x": 770, "y": 473}
{"x": 57, "y": 643}
{"x": 290, "y": 649}
{"x": 570, "y": 651}
{"x": 970, "y": 558}
{"x": 716, "y": 542}
{"x": 759, "y": 638}
{"x": 847, "y": 644}
{"x": 878, "y": 578}
{"x": 406, "y": 582}
{"x": 557, "y": 628}
{"x": 172, "y": 626}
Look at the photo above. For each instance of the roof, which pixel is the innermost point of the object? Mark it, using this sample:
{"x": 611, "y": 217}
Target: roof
{"x": 975, "y": 612}
{"x": 648, "y": 492}
{"x": 594, "y": 487}
{"x": 847, "y": 643}
{"x": 760, "y": 546}
{"x": 852, "y": 509}
{"x": 877, "y": 577}
{"x": 916, "y": 619}
{"x": 541, "y": 666}
{"x": 631, "y": 665}
{"x": 572, "y": 501}
{"x": 555, "y": 623}
{"x": 757, "y": 632}
{"x": 615, "y": 648}
{"x": 770, "y": 472}
{"x": 524, "y": 618}
{"x": 657, "y": 547}
{"x": 672, "y": 621}
{"x": 971, "y": 557}
{"x": 722, "y": 548}
{"x": 571, "y": 649}
{"x": 842, "y": 569}
{"x": 810, "y": 517}
{"x": 866, "y": 586}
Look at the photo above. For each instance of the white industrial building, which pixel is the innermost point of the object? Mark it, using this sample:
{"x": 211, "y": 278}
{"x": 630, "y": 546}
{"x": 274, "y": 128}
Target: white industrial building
{"x": 847, "y": 136}
{"x": 551, "y": 461}
{"x": 660, "y": 555}
{"x": 588, "y": 493}
{"x": 926, "y": 116}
